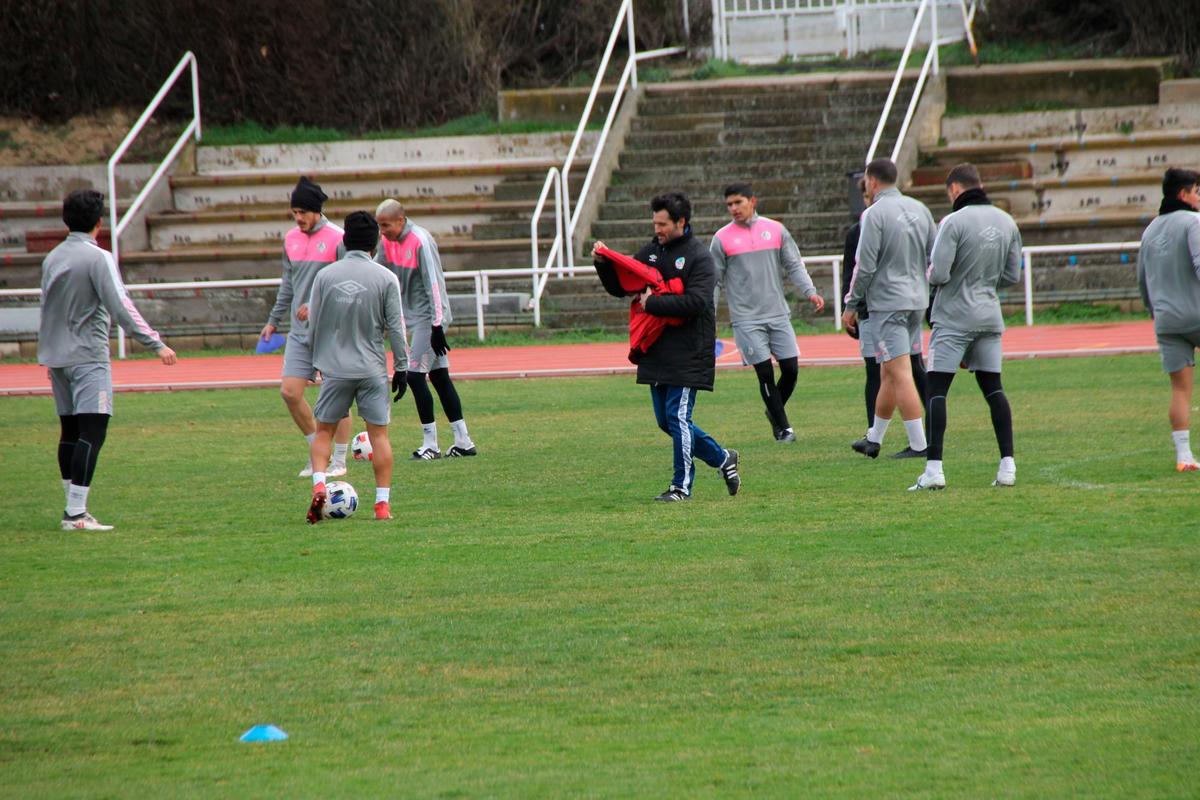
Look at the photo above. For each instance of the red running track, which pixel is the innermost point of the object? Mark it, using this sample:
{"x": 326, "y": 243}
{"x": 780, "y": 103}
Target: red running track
{"x": 200, "y": 372}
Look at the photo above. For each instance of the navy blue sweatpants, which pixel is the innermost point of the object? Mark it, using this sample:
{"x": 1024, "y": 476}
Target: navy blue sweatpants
{"x": 673, "y": 410}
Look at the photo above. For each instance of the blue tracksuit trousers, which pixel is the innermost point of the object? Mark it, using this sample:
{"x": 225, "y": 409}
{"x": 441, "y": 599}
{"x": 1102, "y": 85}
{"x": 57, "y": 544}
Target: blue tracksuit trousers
{"x": 673, "y": 410}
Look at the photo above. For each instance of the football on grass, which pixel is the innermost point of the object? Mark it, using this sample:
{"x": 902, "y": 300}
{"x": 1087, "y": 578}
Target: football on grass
{"x": 342, "y": 502}
{"x": 360, "y": 446}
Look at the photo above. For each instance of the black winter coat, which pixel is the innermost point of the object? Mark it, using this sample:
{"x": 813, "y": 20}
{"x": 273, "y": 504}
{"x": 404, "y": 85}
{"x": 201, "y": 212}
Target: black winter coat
{"x": 684, "y": 355}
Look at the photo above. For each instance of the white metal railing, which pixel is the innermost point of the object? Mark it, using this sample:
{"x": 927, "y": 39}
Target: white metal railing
{"x": 118, "y": 225}
{"x": 565, "y": 221}
{"x": 481, "y": 280}
{"x": 931, "y": 65}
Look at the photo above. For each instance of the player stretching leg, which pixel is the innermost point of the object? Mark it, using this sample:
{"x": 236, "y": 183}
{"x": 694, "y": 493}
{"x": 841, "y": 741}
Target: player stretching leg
{"x": 752, "y": 255}
{"x": 977, "y": 250}
{"x": 308, "y": 248}
{"x": 890, "y": 277}
{"x": 354, "y": 303}
{"x": 1169, "y": 278}
{"x": 410, "y": 251}
{"x": 81, "y": 292}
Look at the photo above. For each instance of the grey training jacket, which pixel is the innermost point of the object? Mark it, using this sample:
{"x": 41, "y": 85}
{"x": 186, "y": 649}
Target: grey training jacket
{"x": 81, "y": 292}
{"x": 751, "y": 262}
{"x": 977, "y": 250}
{"x": 893, "y": 255}
{"x": 354, "y": 302}
{"x": 1169, "y": 272}
{"x": 415, "y": 259}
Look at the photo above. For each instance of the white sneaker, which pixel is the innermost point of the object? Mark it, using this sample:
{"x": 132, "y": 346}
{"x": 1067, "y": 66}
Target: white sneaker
{"x": 932, "y": 483}
{"x": 1005, "y": 477}
{"x": 83, "y": 522}
{"x": 306, "y": 472}
{"x": 334, "y": 471}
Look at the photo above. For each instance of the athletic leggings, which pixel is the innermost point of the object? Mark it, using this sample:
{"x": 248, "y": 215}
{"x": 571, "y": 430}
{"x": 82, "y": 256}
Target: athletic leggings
{"x": 447, "y": 394}
{"x": 993, "y": 393}
{"x": 79, "y": 446}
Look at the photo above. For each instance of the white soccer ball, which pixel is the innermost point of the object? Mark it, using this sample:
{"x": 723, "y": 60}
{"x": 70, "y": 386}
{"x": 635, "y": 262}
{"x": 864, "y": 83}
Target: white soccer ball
{"x": 342, "y": 500}
{"x": 360, "y": 446}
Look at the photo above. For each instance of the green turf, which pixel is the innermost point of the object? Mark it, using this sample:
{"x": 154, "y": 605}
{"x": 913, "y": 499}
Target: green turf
{"x": 532, "y": 626}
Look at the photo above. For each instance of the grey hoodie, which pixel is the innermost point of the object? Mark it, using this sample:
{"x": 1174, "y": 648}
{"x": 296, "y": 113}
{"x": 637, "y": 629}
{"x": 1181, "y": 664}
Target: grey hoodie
{"x": 1169, "y": 272}
{"x": 893, "y": 254}
{"x": 977, "y": 250}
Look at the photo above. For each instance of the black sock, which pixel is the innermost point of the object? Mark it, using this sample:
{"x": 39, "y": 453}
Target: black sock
{"x": 66, "y": 444}
{"x": 919, "y": 377}
{"x": 93, "y": 429}
{"x": 993, "y": 392}
{"x": 871, "y": 389}
{"x": 770, "y": 394}
{"x": 447, "y": 394}
{"x": 939, "y": 387}
{"x": 789, "y": 373}
{"x": 421, "y": 396}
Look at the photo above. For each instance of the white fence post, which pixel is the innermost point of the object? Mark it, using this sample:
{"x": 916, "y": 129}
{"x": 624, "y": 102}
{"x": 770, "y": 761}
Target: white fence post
{"x": 1027, "y": 258}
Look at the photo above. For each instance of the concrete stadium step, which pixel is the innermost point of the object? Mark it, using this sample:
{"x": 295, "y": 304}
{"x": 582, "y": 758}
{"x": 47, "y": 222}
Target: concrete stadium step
{"x": 521, "y": 189}
{"x": 718, "y": 175}
{"x": 1141, "y": 119}
{"x": 18, "y": 218}
{"x": 256, "y": 223}
{"x": 231, "y": 190}
{"x": 741, "y": 137}
{"x": 856, "y": 118}
{"x": 702, "y": 102}
{"x": 1094, "y": 155}
{"x": 724, "y": 157}
{"x": 799, "y": 186}
{"x": 1135, "y": 192}
{"x": 712, "y": 204}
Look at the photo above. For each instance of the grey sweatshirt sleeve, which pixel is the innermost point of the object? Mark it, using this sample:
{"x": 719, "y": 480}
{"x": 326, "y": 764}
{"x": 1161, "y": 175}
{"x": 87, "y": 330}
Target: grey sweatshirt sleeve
{"x": 945, "y": 248}
{"x": 283, "y": 298}
{"x": 793, "y": 265}
{"x": 115, "y": 298}
{"x": 718, "y": 256}
{"x": 931, "y": 235}
{"x": 870, "y": 239}
{"x": 1193, "y": 240}
{"x": 393, "y": 317}
{"x": 1143, "y": 287}
{"x": 431, "y": 270}
{"x": 1012, "y": 268}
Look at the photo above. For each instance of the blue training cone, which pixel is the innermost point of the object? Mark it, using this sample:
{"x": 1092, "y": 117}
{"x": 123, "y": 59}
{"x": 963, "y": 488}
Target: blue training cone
{"x": 271, "y": 345}
{"x": 263, "y": 733}
{"x": 718, "y": 349}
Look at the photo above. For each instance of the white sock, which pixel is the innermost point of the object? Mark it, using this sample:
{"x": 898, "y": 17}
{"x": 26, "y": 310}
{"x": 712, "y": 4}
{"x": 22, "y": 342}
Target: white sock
{"x": 383, "y": 494}
{"x": 461, "y": 437}
{"x": 430, "y": 440}
{"x": 339, "y": 454}
{"x": 1183, "y": 447}
{"x": 915, "y": 428}
{"x": 1008, "y": 465}
{"x": 77, "y": 499}
{"x": 878, "y": 430}
{"x": 933, "y": 468}
{"x": 318, "y": 478}
{"x": 309, "y": 437}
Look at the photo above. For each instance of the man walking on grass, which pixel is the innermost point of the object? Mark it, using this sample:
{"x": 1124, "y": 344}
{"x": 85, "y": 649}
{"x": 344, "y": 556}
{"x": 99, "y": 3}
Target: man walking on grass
{"x": 354, "y": 303}
{"x": 893, "y": 253}
{"x": 977, "y": 251}
{"x": 1169, "y": 278}
{"x": 681, "y": 361}
{"x": 753, "y": 254}
{"x": 81, "y": 291}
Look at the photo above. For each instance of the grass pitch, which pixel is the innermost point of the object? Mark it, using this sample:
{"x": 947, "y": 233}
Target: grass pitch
{"x": 532, "y": 625}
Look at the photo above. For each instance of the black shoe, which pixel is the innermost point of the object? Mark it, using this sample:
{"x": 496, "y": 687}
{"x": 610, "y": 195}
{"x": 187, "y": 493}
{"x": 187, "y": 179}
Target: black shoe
{"x": 672, "y": 495}
{"x": 729, "y": 471}
{"x": 866, "y": 447}
{"x": 461, "y": 452}
{"x": 425, "y": 454}
{"x": 908, "y": 452}
{"x": 785, "y": 435}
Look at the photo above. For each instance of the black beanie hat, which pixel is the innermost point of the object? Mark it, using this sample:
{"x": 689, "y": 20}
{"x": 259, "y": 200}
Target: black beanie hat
{"x": 308, "y": 195}
{"x": 361, "y": 232}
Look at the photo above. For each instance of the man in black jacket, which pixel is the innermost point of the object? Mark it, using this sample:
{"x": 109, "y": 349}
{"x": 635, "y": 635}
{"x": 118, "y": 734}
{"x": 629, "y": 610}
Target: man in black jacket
{"x": 682, "y": 360}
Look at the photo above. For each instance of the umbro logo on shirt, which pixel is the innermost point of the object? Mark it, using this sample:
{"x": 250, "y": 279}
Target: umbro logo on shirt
{"x": 908, "y": 219}
{"x": 349, "y": 290}
{"x": 1162, "y": 243}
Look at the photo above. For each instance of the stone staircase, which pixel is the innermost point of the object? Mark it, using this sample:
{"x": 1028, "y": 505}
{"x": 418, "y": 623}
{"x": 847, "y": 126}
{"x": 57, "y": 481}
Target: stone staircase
{"x": 795, "y": 141}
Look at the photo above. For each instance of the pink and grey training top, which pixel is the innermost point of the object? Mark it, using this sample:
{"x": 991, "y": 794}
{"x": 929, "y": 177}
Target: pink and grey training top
{"x": 752, "y": 260}
{"x": 304, "y": 255}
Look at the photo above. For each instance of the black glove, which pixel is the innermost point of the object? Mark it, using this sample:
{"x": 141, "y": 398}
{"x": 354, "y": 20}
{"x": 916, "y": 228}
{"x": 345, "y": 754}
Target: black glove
{"x": 437, "y": 340}
{"x": 852, "y": 332}
{"x": 399, "y": 385}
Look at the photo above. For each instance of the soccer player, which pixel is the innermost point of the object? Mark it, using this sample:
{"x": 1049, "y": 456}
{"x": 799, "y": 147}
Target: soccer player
{"x": 353, "y": 303}
{"x": 681, "y": 360}
{"x": 752, "y": 255}
{"x": 1169, "y": 278}
{"x": 81, "y": 292}
{"x": 893, "y": 254}
{"x": 312, "y": 245}
{"x": 862, "y": 332}
{"x": 410, "y": 251}
{"x": 977, "y": 250}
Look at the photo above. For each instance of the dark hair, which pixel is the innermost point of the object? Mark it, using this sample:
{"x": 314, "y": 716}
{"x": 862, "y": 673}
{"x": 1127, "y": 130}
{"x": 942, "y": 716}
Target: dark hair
{"x": 676, "y": 204}
{"x": 882, "y": 170}
{"x": 742, "y": 188}
{"x": 1176, "y": 180}
{"x": 861, "y": 183}
{"x": 82, "y": 209}
{"x": 966, "y": 176}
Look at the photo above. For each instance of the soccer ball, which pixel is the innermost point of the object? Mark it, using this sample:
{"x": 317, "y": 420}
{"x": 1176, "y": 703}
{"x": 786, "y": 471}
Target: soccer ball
{"x": 342, "y": 500}
{"x": 360, "y": 446}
